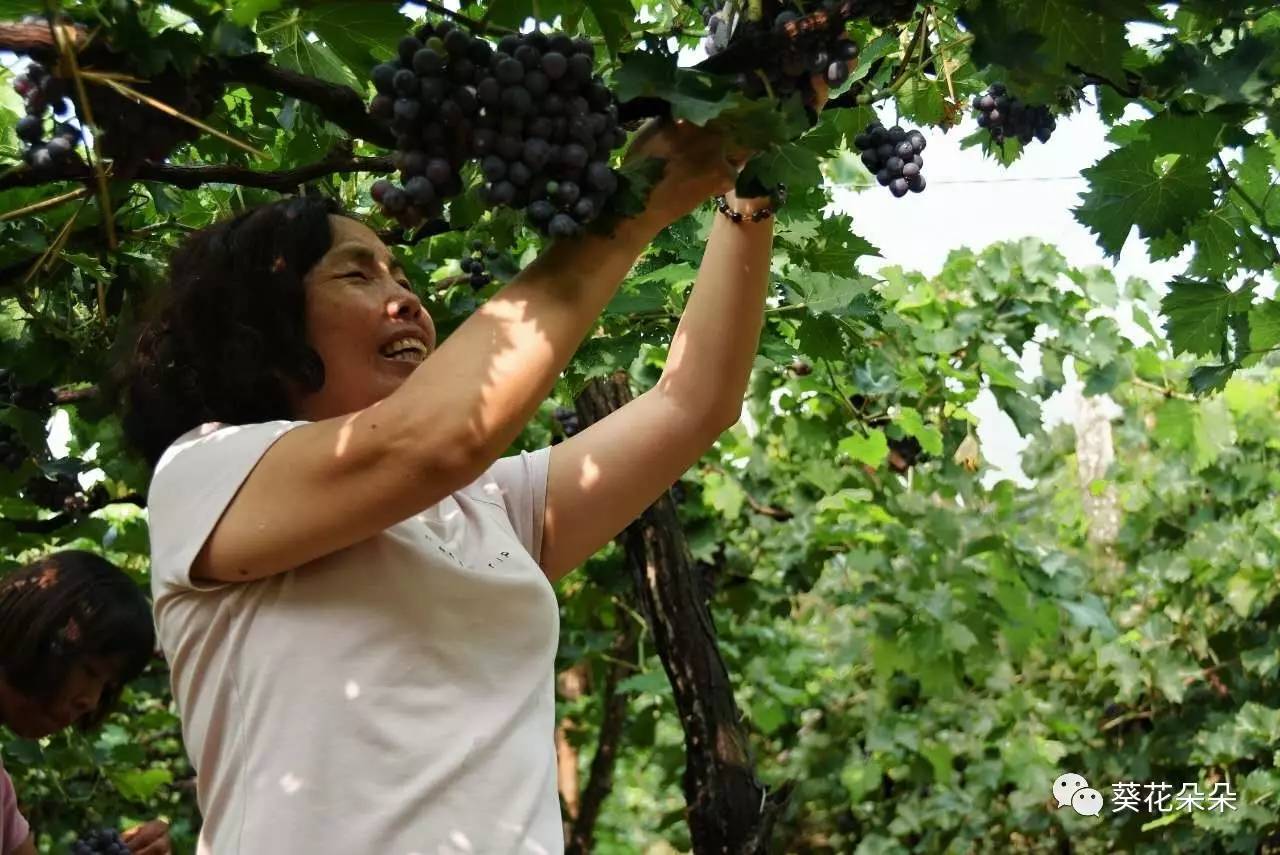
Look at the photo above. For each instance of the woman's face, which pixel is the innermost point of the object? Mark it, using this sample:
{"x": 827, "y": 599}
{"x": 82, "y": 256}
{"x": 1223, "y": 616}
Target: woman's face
{"x": 80, "y": 695}
{"x": 368, "y": 327}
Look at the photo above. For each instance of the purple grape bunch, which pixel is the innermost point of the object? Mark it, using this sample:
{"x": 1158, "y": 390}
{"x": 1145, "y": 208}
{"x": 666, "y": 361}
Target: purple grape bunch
{"x": 893, "y": 155}
{"x": 530, "y": 112}
{"x": 101, "y": 841}
{"x": 1005, "y": 116}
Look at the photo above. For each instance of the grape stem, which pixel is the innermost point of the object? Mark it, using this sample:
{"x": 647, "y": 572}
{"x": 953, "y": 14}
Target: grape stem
{"x": 1257, "y": 209}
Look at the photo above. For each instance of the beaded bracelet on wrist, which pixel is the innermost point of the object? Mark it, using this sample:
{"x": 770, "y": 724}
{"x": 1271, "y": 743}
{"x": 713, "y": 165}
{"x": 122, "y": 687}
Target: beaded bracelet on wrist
{"x": 776, "y": 198}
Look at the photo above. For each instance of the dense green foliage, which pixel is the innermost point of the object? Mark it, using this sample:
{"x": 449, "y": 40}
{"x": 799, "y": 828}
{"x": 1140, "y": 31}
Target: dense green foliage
{"x": 921, "y": 654}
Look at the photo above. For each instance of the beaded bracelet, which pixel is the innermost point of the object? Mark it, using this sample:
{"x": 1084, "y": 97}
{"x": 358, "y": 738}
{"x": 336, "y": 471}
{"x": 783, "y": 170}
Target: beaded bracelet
{"x": 780, "y": 196}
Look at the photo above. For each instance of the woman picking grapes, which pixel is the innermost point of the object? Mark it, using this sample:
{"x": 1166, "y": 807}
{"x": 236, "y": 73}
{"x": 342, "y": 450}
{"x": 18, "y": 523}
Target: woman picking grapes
{"x": 352, "y": 586}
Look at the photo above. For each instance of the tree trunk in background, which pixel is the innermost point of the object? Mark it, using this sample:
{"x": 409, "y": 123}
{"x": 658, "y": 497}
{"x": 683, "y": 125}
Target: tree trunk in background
{"x": 1094, "y": 455}
{"x": 729, "y": 810}
{"x": 571, "y": 683}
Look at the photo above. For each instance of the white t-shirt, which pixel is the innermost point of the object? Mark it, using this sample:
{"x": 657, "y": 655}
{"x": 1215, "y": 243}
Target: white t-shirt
{"x": 394, "y": 697}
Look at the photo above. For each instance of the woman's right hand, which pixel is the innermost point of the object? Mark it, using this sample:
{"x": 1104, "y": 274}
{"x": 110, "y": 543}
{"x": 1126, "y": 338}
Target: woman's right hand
{"x": 700, "y": 163}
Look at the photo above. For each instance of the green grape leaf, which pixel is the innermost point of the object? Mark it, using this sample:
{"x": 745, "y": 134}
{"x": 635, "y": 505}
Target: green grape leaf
{"x": 871, "y": 449}
{"x": 1038, "y": 40}
{"x": 1133, "y": 186}
{"x": 1264, "y": 326}
{"x": 245, "y": 12}
{"x": 792, "y": 164}
{"x": 615, "y": 18}
{"x": 1196, "y": 314}
{"x": 826, "y": 292}
{"x": 1210, "y": 378}
{"x": 912, "y": 424}
{"x": 361, "y": 34}
{"x": 821, "y": 337}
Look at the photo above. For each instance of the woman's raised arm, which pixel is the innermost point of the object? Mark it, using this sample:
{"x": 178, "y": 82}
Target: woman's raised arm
{"x": 338, "y": 481}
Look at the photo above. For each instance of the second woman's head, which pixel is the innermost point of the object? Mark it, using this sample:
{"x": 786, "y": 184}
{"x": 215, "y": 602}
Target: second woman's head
{"x": 74, "y": 629}
{"x": 291, "y": 310}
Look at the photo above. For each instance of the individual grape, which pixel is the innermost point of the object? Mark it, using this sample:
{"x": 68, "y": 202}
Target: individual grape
{"x": 561, "y": 44}
{"x": 519, "y": 174}
{"x": 406, "y": 82}
{"x": 489, "y": 91}
{"x": 438, "y": 170}
{"x": 601, "y": 177}
{"x": 537, "y": 83}
{"x": 580, "y": 68}
{"x": 465, "y": 98}
{"x": 480, "y": 53}
{"x": 407, "y": 109}
{"x": 426, "y": 61}
{"x": 553, "y": 105}
{"x": 58, "y": 149}
{"x": 493, "y": 168}
{"x": 528, "y": 55}
{"x": 456, "y": 43}
{"x": 462, "y": 70}
{"x": 898, "y": 187}
{"x": 554, "y": 65}
{"x": 502, "y": 193}
{"x": 562, "y": 226}
{"x": 541, "y": 211}
{"x": 379, "y": 189}
{"x": 567, "y": 193}
{"x": 509, "y": 71}
{"x": 574, "y": 156}
{"x": 30, "y": 129}
{"x": 535, "y": 152}
{"x": 517, "y": 100}
{"x": 382, "y": 107}
{"x": 584, "y": 210}
{"x": 409, "y": 45}
{"x": 384, "y": 78}
{"x": 449, "y": 113}
{"x": 394, "y": 201}
{"x": 420, "y": 191}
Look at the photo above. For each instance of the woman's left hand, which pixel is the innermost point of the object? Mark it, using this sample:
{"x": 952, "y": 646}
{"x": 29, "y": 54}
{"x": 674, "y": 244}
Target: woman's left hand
{"x": 150, "y": 838}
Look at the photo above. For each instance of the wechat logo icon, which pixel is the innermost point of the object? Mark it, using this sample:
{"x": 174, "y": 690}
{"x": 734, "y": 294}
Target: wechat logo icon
{"x": 1072, "y": 790}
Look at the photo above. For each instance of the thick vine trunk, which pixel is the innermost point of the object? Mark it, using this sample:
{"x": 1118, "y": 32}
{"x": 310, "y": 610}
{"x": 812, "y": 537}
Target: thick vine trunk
{"x": 729, "y": 810}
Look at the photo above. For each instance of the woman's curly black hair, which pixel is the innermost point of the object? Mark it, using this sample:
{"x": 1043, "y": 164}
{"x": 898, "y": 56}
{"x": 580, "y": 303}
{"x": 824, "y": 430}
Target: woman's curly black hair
{"x": 64, "y": 608}
{"x": 230, "y": 332}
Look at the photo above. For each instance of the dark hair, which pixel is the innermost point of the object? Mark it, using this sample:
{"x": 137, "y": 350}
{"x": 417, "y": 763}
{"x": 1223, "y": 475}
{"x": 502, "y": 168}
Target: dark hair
{"x": 231, "y": 327}
{"x": 64, "y": 608}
